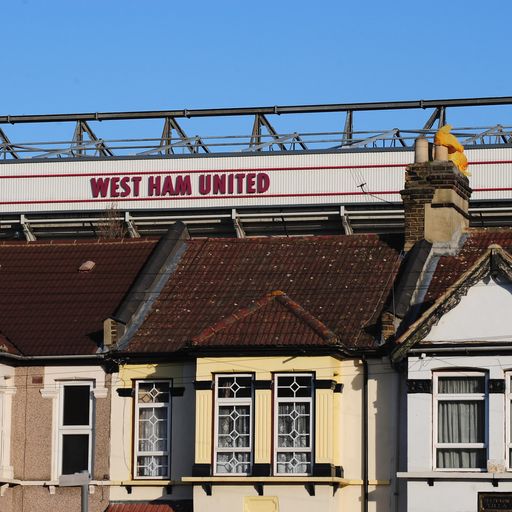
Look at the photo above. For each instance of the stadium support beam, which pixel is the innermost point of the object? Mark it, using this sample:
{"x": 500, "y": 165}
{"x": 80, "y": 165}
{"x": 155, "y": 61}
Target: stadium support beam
{"x": 348, "y": 130}
{"x": 166, "y": 144}
{"x": 6, "y": 146}
{"x": 439, "y": 115}
{"x": 78, "y": 148}
{"x": 256, "y": 143}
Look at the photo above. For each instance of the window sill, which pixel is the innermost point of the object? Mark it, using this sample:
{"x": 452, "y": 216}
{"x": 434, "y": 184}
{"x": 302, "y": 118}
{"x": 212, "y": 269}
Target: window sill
{"x": 453, "y": 475}
{"x": 299, "y": 480}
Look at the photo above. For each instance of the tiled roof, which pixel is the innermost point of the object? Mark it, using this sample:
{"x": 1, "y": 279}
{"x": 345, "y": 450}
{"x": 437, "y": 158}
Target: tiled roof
{"x": 48, "y": 307}
{"x": 273, "y": 320}
{"x": 341, "y": 281}
{"x": 451, "y": 268}
{"x": 177, "y": 506}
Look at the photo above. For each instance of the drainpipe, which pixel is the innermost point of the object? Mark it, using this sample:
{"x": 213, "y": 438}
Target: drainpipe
{"x": 365, "y": 434}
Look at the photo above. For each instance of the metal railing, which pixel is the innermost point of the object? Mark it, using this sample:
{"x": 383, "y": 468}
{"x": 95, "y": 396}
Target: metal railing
{"x": 85, "y": 142}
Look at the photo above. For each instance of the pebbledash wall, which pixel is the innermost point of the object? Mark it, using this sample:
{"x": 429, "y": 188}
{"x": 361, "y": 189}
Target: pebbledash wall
{"x": 233, "y": 181}
{"x": 337, "y": 432}
{"x": 31, "y": 399}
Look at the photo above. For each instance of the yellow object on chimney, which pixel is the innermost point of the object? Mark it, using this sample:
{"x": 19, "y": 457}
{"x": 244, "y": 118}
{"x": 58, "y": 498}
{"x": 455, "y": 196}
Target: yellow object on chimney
{"x": 456, "y": 154}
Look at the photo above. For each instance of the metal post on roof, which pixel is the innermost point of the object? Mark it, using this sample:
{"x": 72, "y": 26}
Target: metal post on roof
{"x": 130, "y": 226}
{"x": 240, "y": 233}
{"x": 27, "y": 230}
{"x": 345, "y": 221}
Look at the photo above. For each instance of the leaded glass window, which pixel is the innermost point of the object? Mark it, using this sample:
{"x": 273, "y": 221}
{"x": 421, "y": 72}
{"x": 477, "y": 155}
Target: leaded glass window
{"x": 233, "y": 424}
{"x": 152, "y": 429}
{"x": 460, "y": 433}
{"x": 293, "y": 423}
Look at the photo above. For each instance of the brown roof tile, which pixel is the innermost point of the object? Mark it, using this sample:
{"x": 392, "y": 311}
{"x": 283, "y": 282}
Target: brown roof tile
{"x": 48, "y": 307}
{"x": 342, "y": 281}
{"x": 451, "y": 268}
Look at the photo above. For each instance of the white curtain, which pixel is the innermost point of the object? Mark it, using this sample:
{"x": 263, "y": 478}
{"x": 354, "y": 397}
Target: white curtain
{"x": 461, "y": 421}
{"x": 293, "y": 432}
{"x": 152, "y": 438}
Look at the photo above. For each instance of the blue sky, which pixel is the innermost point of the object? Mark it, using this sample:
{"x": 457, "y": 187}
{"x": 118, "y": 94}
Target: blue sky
{"x": 107, "y": 55}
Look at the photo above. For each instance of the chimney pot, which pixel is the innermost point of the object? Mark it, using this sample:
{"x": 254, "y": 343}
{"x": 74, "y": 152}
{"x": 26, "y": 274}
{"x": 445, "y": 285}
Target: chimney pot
{"x": 421, "y": 150}
{"x": 440, "y": 153}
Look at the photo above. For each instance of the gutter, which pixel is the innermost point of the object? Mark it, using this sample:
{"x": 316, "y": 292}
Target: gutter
{"x": 46, "y": 358}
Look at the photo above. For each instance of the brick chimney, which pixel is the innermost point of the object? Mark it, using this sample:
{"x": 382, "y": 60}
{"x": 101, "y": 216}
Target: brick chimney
{"x": 436, "y": 198}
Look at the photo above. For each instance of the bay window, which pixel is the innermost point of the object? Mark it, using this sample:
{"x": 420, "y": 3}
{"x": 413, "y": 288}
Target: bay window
{"x": 293, "y": 431}
{"x": 152, "y": 429}
{"x": 460, "y": 425}
{"x": 233, "y": 424}
{"x": 75, "y": 427}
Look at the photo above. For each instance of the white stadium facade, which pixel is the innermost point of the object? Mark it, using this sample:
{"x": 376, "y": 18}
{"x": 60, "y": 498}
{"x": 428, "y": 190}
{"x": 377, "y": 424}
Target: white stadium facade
{"x": 263, "y": 183}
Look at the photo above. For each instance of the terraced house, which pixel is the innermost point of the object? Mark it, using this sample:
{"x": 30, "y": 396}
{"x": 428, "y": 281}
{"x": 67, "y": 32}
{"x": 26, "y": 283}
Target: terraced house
{"x": 346, "y": 372}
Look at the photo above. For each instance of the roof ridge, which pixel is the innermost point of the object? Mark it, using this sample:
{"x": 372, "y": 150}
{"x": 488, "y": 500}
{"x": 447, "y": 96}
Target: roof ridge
{"x": 275, "y": 295}
{"x": 72, "y": 243}
{"x": 303, "y": 314}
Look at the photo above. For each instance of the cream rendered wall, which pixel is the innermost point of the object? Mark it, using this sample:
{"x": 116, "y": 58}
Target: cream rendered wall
{"x": 344, "y": 439}
{"x": 182, "y": 433}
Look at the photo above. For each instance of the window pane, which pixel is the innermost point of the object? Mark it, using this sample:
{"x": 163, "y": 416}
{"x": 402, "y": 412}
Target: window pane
{"x": 461, "y": 422}
{"x": 294, "y": 462}
{"x": 150, "y": 465}
{"x": 153, "y": 392}
{"x": 293, "y": 425}
{"x": 292, "y": 386}
{"x": 461, "y": 385}
{"x": 234, "y": 426}
{"x": 153, "y": 429}
{"x": 461, "y": 458}
{"x": 234, "y": 387}
{"x": 76, "y": 405}
{"x": 233, "y": 462}
{"x": 75, "y": 453}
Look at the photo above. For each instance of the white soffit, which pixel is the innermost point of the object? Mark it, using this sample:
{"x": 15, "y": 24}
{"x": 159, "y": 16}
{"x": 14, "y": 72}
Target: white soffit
{"x": 484, "y": 314}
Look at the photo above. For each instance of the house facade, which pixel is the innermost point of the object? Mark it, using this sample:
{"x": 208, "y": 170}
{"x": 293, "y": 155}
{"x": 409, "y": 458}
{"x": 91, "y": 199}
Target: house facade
{"x": 55, "y": 383}
{"x": 452, "y": 337}
{"x": 278, "y": 395}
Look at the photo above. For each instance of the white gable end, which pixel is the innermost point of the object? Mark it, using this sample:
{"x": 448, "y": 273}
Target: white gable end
{"x": 484, "y": 314}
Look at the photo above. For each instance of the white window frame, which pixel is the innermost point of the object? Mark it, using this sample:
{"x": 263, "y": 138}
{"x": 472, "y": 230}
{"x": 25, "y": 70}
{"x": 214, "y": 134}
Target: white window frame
{"x": 162, "y": 453}
{"x": 484, "y": 397}
{"x": 277, "y": 401}
{"x": 75, "y": 429}
{"x": 245, "y": 401}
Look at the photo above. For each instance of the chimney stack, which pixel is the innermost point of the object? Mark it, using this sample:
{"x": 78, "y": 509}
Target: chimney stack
{"x": 436, "y": 198}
